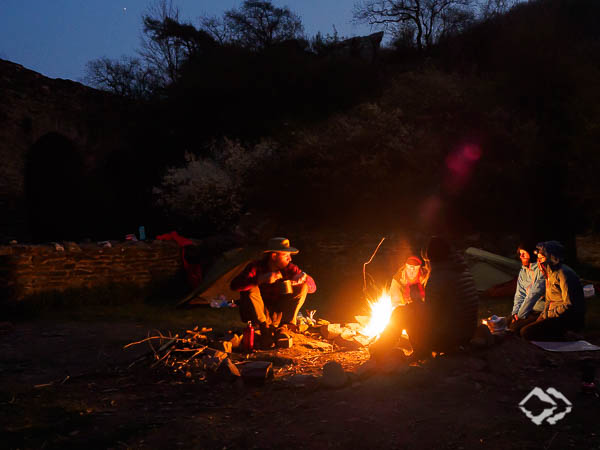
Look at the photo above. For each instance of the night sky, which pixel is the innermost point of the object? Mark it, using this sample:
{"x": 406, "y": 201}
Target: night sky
{"x": 58, "y": 37}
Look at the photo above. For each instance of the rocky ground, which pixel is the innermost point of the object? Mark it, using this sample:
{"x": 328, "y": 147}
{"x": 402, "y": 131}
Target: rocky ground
{"x": 69, "y": 385}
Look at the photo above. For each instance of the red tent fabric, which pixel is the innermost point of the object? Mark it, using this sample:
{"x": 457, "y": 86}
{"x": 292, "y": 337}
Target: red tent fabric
{"x": 193, "y": 271}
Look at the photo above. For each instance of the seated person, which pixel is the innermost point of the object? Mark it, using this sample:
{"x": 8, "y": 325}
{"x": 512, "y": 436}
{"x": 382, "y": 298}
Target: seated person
{"x": 564, "y": 309}
{"x": 448, "y": 315}
{"x": 531, "y": 288}
{"x": 262, "y": 300}
{"x": 408, "y": 284}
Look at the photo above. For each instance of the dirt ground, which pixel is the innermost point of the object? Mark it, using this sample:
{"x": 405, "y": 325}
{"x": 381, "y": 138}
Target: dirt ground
{"x": 68, "y": 385}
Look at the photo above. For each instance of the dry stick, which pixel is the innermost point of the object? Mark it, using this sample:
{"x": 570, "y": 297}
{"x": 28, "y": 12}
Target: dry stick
{"x": 192, "y": 357}
{"x": 144, "y": 340}
{"x": 167, "y": 344}
{"x": 155, "y": 352}
{"x": 166, "y": 355}
{"x": 369, "y": 262}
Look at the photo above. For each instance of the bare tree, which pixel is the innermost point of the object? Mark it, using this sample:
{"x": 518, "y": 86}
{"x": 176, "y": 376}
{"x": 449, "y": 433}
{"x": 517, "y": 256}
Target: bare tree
{"x": 127, "y": 77}
{"x": 430, "y": 19}
{"x": 259, "y": 24}
{"x": 217, "y": 28}
{"x": 163, "y": 53}
{"x": 491, "y": 8}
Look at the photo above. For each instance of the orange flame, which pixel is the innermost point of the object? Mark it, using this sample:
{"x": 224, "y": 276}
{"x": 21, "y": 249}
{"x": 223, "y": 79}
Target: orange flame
{"x": 381, "y": 311}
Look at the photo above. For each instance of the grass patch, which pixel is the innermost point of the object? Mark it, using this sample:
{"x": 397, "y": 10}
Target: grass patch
{"x": 153, "y": 305}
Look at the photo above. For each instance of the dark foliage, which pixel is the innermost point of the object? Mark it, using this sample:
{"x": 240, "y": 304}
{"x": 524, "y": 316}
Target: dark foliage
{"x": 378, "y": 142}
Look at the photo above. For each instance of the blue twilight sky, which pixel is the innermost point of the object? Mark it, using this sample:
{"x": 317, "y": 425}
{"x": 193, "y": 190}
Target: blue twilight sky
{"x": 57, "y": 37}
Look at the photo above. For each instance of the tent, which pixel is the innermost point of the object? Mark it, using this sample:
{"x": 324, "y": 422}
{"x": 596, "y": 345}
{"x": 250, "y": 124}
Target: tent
{"x": 216, "y": 281}
{"x": 490, "y": 270}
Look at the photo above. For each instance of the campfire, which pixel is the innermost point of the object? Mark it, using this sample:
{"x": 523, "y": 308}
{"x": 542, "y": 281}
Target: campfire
{"x": 381, "y": 312}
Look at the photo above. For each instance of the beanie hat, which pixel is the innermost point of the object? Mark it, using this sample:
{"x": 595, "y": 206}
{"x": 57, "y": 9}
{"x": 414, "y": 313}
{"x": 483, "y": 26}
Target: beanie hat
{"x": 552, "y": 249}
{"x": 413, "y": 261}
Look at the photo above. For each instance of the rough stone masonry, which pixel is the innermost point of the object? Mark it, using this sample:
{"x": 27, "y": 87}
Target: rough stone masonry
{"x": 26, "y": 270}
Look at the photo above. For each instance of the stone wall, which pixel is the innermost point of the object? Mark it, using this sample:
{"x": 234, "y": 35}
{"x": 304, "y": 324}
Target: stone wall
{"x": 27, "y": 270}
{"x": 32, "y": 106}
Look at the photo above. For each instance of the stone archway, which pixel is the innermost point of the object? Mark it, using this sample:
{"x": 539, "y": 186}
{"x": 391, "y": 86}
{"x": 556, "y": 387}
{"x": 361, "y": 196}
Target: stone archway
{"x": 54, "y": 190}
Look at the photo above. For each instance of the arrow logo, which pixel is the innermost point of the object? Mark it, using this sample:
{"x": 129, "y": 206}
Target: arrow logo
{"x": 550, "y": 396}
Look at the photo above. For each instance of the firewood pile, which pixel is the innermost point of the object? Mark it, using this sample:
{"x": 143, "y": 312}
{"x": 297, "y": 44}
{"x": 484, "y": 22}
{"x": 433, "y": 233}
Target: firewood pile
{"x": 331, "y": 354}
{"x": 199, "y": 355}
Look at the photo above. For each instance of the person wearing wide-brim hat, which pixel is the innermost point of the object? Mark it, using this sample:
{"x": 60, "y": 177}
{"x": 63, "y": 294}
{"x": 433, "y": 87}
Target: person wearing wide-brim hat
{"x": 273, "y": 289}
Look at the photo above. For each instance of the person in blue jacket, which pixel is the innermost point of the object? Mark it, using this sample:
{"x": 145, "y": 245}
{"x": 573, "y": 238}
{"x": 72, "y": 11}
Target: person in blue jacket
{"x": 564, "y": 309}
{"x": 529, "y": 298}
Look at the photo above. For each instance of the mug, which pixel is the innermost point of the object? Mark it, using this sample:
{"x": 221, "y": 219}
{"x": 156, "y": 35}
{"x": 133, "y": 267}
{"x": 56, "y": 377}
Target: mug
{"x": 285, "y": 287}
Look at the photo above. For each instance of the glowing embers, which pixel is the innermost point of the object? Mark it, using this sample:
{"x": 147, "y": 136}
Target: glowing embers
{"x": 381, "y": 311}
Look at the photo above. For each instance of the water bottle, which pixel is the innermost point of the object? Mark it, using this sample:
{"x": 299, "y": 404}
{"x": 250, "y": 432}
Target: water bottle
{"x": 248, "y": 338}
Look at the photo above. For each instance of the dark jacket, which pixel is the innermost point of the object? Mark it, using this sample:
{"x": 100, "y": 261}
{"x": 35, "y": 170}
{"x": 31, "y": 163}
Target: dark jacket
{"x": 452, "y": 301}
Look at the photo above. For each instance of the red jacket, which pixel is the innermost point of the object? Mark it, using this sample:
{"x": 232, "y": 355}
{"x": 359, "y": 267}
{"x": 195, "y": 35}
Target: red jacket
{"x": 248, "y": 278}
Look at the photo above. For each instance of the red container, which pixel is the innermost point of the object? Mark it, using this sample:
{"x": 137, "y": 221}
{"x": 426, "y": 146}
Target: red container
{"x": 248, "y": 338}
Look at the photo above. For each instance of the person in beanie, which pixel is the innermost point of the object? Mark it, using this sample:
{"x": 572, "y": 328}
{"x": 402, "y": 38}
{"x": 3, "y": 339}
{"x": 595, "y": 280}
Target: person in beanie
{"x": 447, "y": 317}
{"x": 529, "y": 297}
{"x": 264, "y": 300}
{"x": 408, "y": 284}
{"x": 564, "y": 308}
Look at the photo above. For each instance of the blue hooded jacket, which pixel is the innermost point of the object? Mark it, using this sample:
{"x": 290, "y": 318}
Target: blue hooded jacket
{"x": 530, "y": 293}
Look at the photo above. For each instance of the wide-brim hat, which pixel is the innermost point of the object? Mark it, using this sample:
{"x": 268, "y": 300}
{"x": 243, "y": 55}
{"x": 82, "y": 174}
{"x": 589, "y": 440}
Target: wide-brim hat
{"x": 280, "y": 244}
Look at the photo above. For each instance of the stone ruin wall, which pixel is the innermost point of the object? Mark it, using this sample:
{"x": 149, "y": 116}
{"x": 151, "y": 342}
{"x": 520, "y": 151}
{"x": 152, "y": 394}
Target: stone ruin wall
{"x": 32, "y": 106}
{"x": 28, "y": 270}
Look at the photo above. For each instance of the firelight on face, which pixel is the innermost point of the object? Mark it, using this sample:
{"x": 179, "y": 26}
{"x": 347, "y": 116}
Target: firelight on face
{"x": 525, "y": 257}
{"x": 282, "y": 259}
{"x": 412, "y": 272}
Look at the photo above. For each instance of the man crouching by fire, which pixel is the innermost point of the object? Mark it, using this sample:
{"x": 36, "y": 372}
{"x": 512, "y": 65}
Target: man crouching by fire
{"x": 272, "y": 291}
{"x": 446, "y": 318}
